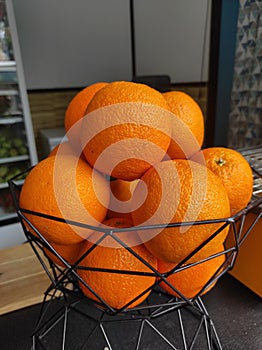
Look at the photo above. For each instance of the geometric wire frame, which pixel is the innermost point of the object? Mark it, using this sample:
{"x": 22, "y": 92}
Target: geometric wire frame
{"x": 65, "y": 304}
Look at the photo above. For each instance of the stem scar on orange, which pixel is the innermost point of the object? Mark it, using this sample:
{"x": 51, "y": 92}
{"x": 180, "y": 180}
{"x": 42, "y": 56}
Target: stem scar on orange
{"x": 235, "y": 173}
{"x": 117, "y": 288}
{"x": 181, "y": 191}
{"x": 65, "y": 187}
{"x": 129, "y": 125}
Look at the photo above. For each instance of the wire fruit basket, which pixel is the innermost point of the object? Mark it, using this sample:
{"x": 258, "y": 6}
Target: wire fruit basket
{"x": 65, "y": 305}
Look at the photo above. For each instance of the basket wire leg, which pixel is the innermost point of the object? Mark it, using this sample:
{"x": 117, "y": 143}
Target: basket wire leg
{"x": 204, "y": 322}
{"x": 64, "y": 328}
{"x": 48, "y": 329}
{"x": 160, "y": 334}
{"x": 44, "y": 327}
{"x": 105, "y": 336}
{"x": 39, "y": 342}
{"x": 180, "y": 319}
{"x": 211, "y": 329}
{"x": 83, "y": 346}
{"x": 207, "y": 330}
{"x": 46, "y": 304}
{"x": 140, "y": 332}
{"x": 196, "y": 334}
{"x": 42, "y": 311}
{"x": 99, "y": 325}
{"x": 138, "y": 345}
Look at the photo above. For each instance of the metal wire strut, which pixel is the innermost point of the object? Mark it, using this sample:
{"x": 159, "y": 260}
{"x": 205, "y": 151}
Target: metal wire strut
{"x": 63, "y": 320}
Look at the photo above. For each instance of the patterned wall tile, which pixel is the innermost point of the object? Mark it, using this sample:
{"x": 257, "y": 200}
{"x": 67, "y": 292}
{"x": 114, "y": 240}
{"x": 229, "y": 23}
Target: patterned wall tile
{"x": 245, "y": 119}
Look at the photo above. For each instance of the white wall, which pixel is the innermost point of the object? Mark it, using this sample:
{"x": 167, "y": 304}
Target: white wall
{"x": 170, "y": 38}
{"x": 67, "y": 43}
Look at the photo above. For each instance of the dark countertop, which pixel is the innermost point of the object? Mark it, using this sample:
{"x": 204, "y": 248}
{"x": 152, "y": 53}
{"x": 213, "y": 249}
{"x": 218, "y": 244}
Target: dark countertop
{"x": 235, "y": 310}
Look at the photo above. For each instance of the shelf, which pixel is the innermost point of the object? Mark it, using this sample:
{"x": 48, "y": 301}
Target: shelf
{"x": 7, "y": 216}
{"x": 4, "y": 185}
{"x": 8, "y": 77}
{"x": 15, "y": 123}
{"x": 10, "y": 120}
{"x": 7, "y": 66}
{"x": 14, "y": 159}
{"x": 6, "y": 92}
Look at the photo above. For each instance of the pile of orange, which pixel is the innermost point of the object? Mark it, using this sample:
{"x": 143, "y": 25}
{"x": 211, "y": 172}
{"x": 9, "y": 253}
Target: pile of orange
{"x": 134, "y": 157}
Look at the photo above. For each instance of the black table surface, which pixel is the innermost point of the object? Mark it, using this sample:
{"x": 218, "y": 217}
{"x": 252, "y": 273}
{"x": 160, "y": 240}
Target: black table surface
{"x": 235, "y": 310}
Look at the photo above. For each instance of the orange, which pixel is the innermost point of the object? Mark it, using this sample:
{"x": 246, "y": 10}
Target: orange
{"x": 68, "y": 188}
{"x": 127, "y": 128}
{"x": 180, "y": 191}
{"x": 120, "y": 206}
{"x": 69, "y": 252}
{"x": 194, "y": 279}
{"x": 64, "y": 147}
{"x": 115, "y": 288}
{"x": 76, "y": 111}
{"x": 235, "y": 173}
{"x": 188, "y": 125}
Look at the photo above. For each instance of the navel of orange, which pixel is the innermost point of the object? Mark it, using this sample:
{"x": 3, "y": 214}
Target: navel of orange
{"x": 233, "y": 170}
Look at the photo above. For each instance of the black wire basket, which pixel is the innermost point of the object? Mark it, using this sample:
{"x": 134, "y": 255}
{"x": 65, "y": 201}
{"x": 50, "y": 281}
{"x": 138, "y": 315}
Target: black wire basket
{"x": 98, "y": 323}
